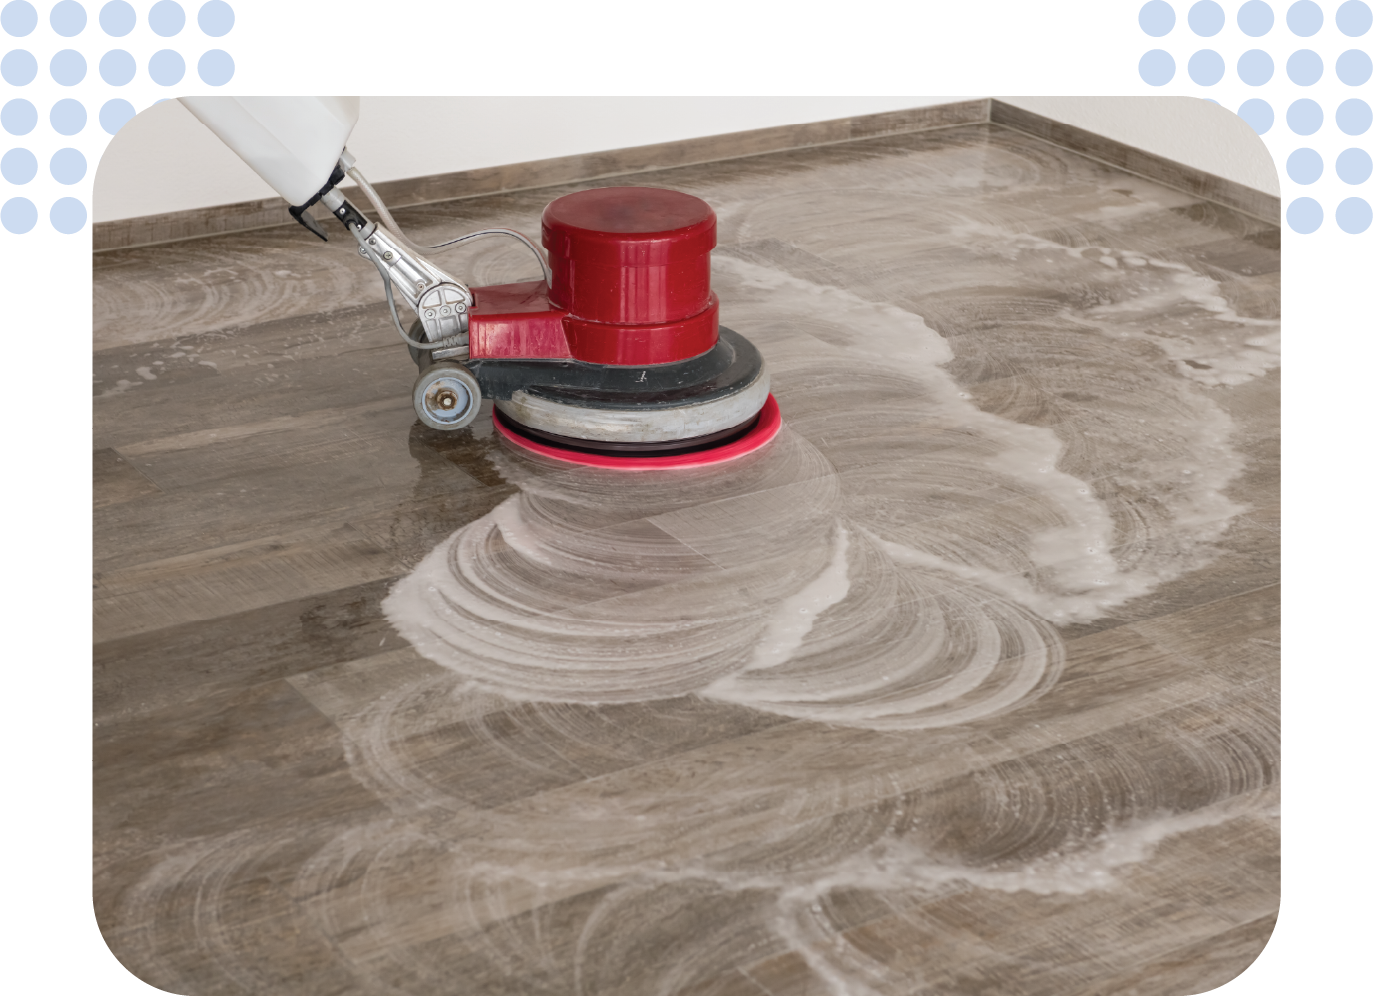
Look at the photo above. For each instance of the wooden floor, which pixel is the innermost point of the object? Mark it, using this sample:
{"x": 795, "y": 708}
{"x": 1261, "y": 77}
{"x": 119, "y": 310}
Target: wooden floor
{"x": 968, "y": 684}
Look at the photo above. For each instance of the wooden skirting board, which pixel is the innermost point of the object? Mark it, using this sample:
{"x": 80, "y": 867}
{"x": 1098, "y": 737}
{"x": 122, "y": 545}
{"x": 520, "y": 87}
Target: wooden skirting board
{"x": 174, "y": 226}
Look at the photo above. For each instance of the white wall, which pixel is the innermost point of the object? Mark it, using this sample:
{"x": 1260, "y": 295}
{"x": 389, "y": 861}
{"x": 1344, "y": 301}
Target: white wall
{"x": 166, "y": 160}
{"x": 1187, "y": 130}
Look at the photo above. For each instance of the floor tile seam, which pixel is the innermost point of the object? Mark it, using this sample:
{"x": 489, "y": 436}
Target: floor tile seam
{"x": 1141, "y": 642}
{"x": 1232, "y": 924}
{"x": 879, "y": 462}
{"x": 901, "y": 604}
{"x": 178, "y": 483}
{"x": 832, "y": 472}
{"x": 242, "y": 431}
{"x": 984, "y": 763}
{"x": 523, "y": 908}
{"x": 234, "y": 334}
{"x": 185, "y": 486}
{"x": 199, "y": 692}
{"x": 317, "y": 596}
{"x": 497, "y": 745}
{"x": 118, "y": 439}
{"x": 1248, "y": 518}
{"x": 277, "y": 543}
{"x": 1121, "y": 169}
{"x": 1030, "y": 751}
{"x": 509, "y": 807}
{"x": 156, "y": 625}
{"x": 391, "y": 549}
{"x": 748, "y": 970}
{"x": 318, "y": 526}
{"x": 1163, "y": 641}
{"x": 339, "y": 729}
{"x": 211, "y": 584}
{"x": 1021, "y": 957}
{"x": 587, "y": 779}
{"x": 258, "y": 453}
{"x": 128, "y": 461}
{"x": 1168, "y": 957}
{"x": 1011, "y": 502}
{"x": 742, "y": 971}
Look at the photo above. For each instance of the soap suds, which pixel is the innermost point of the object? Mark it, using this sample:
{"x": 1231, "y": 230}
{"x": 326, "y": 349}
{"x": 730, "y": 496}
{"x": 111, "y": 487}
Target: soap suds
{"x": 919, "y": 590}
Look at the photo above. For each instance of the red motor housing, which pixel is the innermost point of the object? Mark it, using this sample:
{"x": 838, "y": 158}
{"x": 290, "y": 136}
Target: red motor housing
{"x": 631, "y": 284}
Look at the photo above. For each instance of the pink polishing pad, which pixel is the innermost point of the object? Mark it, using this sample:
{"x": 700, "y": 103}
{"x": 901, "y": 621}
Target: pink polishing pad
{"x": 769, "y": 422}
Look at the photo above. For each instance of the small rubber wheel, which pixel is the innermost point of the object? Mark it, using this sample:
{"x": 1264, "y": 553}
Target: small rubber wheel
{"x": 447, "y": 396}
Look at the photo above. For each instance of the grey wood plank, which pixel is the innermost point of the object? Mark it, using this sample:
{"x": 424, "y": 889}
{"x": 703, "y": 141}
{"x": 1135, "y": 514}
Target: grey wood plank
{"x": 291, "y": 798}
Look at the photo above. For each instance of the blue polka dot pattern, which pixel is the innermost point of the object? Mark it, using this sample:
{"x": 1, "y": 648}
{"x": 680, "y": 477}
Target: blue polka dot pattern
{"x": 18, "y": 68}
{"x": 68, "y": 67}
{"x": 166, "y": 68}
{"x": 1206, "y": 68}
{"x": 1255, "y": 18}
{"x": 1304, "y": 215}
{"x": 1305, "y": 68}
{"x": 18, "y": 18}
{"x": 1304, "y": 18}
{"x": 1354, "y": 18}
{"x": 18, "y": 116}
{"x": 19, "y": 166}
{"x": 1304, "y": 166}
{"x": 1206, "y": 18}
{"x": 1255, "y": 67}
{"x": 1354, "y": 67}
{"x": 117, "y": 18}
{"x": 1305, "y": 116}
{"x": 68, "y": 18}
{"x": 216, "y": 18}
{"x": 67, "y": 116}
{"x": 68, "y": 166}
{"x": 1354, "y": 116}
{"x": 216, "y": 67}
{"x": 18, "y": 215}
{"x": 1257, "y": 114}
{"x": 166, "y": 18}
{"x": 68, "y": 215}
{"x": 115, "y": 114}
{"x": 117, "y": 67}
{"x": 1353, "y": 166}
{"x": 1156, "y": 67}
{"x": 1156, "y": 18}
{"x": 1354, "y": 215}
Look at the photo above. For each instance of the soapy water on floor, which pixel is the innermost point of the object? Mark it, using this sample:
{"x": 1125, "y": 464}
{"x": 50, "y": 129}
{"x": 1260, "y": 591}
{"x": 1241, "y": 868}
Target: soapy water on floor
{"x": 897, "y": 560}
{"x": 835, "y": 593}
{"x": 881, "y": 567}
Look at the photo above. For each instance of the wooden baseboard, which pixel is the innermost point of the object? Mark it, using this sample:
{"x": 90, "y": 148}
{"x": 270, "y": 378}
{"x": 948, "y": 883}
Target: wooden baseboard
{"x": 1167, "y": 172}
{"x": 174, "y": 226}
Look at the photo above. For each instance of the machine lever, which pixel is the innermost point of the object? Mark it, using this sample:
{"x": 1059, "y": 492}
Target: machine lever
{"x": 299, "y": 212}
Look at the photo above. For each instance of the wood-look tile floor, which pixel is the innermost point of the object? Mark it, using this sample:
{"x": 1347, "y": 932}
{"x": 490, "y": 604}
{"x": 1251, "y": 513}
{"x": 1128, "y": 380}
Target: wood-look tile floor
{"x": 967, "y": 684}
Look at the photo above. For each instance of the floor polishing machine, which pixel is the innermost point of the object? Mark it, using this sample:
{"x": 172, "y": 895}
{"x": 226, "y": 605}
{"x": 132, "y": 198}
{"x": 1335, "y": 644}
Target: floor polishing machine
{"x": 615, "y": 357}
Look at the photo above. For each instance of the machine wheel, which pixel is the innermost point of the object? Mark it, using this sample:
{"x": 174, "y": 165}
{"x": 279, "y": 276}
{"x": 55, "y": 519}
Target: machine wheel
{"x": 447, "y": 396}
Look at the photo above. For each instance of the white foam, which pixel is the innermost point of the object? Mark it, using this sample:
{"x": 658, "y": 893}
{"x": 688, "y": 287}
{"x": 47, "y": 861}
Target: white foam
{"x": 793, "y": 619}
{"x": 860, "y": 608}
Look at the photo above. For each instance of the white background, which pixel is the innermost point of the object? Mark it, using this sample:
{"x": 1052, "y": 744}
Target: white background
{"x": 710, "y": 48}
